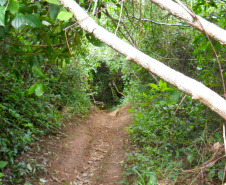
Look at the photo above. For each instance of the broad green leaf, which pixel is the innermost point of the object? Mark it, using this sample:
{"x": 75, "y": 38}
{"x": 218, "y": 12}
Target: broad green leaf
{"x": 154, "y": 86}
{"x": 38, "y": 4}
{"x": 37, "y": 70}
{"x": 63, "y": 16}
{"x": 13, "y": 6}
{"x": 2, "y": 16}
{"x": 54, "y": 2}
{"x": 19, "y": 21}
{"x": 164, "y": 87}
{"x": 32, "y": 89}
{"x": 211, "y": 174}
{"x": 160, "y": 83}
{"x": 39, "y": 90}
{"x": 33, "y": 20}
{"x": 93, "y": 40}
{"x": 53, "y": 11}
{"x": 139, "y": 115}
{"x": 131, "y": 110}
{"x": 46, "y": 23}
{"x": 145, "y": 95}
{"x": 3, "y": 164}
{"x": 64, "y": 64}
{"x": 220, "y": 174}
{"x": 2, "y": 2}
{"x": 1, "y": 175}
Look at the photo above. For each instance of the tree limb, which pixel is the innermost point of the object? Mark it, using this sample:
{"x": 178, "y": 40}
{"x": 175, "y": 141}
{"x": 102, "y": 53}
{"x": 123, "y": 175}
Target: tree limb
{"x": 195, "y": 89}
{"x": 213, "y": 31}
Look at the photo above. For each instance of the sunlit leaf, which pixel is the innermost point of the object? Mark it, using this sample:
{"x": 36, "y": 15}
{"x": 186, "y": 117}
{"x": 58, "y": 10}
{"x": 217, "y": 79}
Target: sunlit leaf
{"x": 29, "y": 167}
{"x": 64, "y": 64}
{"x": 13, "y": 6}
{"x": 154, "y": 86}
{"x": 19, "y": 21}
{"x": 27, "y": 183}
{"x": 63, "y": 16}
{"x": 2, "y": 16}
{"x": 32, "y": 89}
{"x": 131, "y": 110}
{"x": 2, "y": 2}
{"x": 53, "y": 11}
{"x": 39, "y": 89}
{"x": 33, "y": 20}
{"x": 37, "y": 70}
{"x": 43, "y": 180}
{"x": 3, "y": 164}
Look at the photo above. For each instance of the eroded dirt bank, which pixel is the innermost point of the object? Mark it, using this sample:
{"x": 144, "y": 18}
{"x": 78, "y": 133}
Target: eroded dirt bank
{"x": 92, "y": 153}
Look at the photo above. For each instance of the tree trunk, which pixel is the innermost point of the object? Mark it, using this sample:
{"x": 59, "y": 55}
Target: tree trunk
{"x": 215, "y": 32}
{"x": 188, "y": 85}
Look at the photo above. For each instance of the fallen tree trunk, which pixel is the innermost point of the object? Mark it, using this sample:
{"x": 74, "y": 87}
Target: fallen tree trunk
{"x": 195, "y": 89}
{"x": 213, "y": 31}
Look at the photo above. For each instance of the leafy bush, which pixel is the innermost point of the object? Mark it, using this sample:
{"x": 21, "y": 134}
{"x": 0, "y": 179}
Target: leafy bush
{"x": 170, "y": 137}
{"x": 26, "y": 116}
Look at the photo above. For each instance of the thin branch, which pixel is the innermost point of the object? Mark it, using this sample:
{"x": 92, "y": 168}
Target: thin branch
{"x": 130, "y": 40}
{"x": 120, "y": 16}
{"x": 224, "y": 138}
{"x": 153, "y": 76}
{"x": 6, "y": 6}
{"x": 95, "y": 7}
{"x": 131, "y": 21}
{"x": 117, "y": 89}
{"x": 180, "y": 104}
{"x": 159, "y": 23}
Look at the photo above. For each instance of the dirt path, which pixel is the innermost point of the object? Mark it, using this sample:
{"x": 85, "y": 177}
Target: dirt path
{"x": 92, "y": 153}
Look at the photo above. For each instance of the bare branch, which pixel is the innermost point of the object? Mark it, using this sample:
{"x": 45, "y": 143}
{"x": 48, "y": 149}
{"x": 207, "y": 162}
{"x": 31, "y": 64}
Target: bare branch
{"x": 159, "y": 23}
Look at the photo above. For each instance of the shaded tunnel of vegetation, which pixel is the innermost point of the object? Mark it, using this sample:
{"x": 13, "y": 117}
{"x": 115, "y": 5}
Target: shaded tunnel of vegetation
{"x": 107, "y": 86}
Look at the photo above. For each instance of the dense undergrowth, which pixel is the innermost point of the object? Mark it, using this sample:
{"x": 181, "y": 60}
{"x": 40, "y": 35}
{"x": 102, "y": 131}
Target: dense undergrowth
{"x": 25, "y": 117}
{"x": 174, "y": 139}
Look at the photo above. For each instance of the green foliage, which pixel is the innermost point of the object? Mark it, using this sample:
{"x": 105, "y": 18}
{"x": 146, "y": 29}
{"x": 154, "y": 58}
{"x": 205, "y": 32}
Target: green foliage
{"x": 26, "y": 116}
{"x": 167, "y": 137}
{"x": 2, "y": 165}
{"x": 93, "y": 40}
{"x": 38, "y": 79}
{"x": 103, "y": 81}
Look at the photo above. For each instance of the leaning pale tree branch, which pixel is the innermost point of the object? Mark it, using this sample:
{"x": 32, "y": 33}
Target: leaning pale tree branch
{"x": 192, "y": 13}
{"x": 195, "y": 89}
{"x": 213, "y": 31}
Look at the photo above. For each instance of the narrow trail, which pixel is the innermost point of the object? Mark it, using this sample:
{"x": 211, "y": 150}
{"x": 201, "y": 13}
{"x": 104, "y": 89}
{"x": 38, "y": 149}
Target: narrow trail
{"x": 92, "y": 153}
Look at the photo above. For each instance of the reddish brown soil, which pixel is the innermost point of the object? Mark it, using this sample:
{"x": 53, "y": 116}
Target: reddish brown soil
{"x": 92, "y": 152}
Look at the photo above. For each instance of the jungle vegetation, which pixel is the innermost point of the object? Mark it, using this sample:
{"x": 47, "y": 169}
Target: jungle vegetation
{"x": 173, "y": 137}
